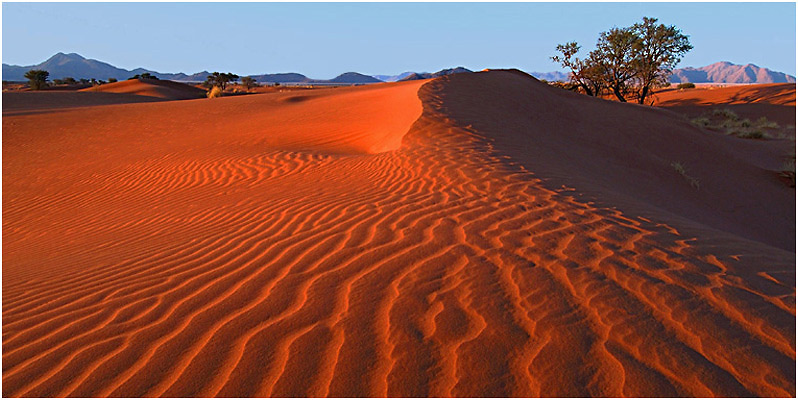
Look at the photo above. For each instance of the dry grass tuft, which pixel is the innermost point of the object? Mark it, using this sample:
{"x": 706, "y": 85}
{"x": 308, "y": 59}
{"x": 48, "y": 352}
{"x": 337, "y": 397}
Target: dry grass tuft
{"x": 728, "y": 122}
{"x": 215, "y": 92}
{"x": 681, "y": 170}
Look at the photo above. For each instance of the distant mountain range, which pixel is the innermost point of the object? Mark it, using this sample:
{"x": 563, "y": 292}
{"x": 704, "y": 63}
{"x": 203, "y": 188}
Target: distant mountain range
{"x": 726, "y": 72}
{"x": 719, "y": 72}
{"x": 551, "y": 76}
{"x": 426, "y": 75}
{"x": 76, "y": 66}
{"x": 392, "y": 78}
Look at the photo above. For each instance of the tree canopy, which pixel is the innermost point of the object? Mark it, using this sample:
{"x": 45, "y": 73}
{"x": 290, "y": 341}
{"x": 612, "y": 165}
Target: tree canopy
{"x": 37, "y": 78}
{"x": 249, "y": 82}
{"x": 220, "y": 79}
{"x": 629, "y": 62}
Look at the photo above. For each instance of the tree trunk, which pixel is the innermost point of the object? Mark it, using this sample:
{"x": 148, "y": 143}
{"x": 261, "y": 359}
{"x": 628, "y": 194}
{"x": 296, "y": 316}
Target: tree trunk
{"x": 618, "y": 94}
{"x": 643, "y": 95}
{"x": 587, "y": 89}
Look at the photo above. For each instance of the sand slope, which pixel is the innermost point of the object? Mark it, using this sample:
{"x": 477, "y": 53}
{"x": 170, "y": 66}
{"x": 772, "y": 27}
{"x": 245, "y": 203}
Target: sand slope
{"x": 366, "y": 242}
{"x": 162, "y": 89}
{"x": 775, "y": 102}
{"x": 782, "y": 94}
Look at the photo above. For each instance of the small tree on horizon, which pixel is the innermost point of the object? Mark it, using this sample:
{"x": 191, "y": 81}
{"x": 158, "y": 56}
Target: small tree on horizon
{"x": 220, "y": 79}
{"x": 37, "y": 78}
{"x": 249, "y": 82}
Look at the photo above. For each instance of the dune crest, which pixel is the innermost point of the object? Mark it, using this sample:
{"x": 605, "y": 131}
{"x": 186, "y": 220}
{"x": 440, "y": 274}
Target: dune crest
{"x": 162, "y": 89}
{"x": 358, "y": 242}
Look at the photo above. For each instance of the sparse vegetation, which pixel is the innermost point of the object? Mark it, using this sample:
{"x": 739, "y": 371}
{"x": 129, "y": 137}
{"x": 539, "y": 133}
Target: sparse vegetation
{"x": 37, "y": 78}
{"x": 220, "y": 79}
{"x": 681, "y": 170}
{"x": 628, "y": 62}
{"x": 111, "y": 80}
{"x": 701, "y": 122}
{"x": 686, "y": 85}
{"x": 215, "y": 92}
{"x": 249, "y": 82}
{"x": 145, "y": 75}
{"x": 728, "y": 122}
{"x": 564, "y": 85}
{"x": 788, "y": 171}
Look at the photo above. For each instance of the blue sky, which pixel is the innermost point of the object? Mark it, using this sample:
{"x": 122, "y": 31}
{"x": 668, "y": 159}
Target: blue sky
{"x": 322, "y": 40}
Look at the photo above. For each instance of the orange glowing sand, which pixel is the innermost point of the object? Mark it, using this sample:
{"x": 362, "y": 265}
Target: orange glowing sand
{"x": 474, "y": 235}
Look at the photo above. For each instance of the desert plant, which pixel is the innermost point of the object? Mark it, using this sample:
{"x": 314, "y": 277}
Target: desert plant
{"x": 37, "y": 78}
{"x": 215, "y": 92}
{"x": 686, "y": 85}
{"x": 788, "y": 171}
{"x": 249, "y": 82}
{"x": 763, "y": 122}
{"x": 701, "y": 122}
{"x": 585, "y": 73}
{"x": 220, "y": 79}
{"x": 145, "y": 75}
{"x": 681, "y": 170}
{"x": 659, "y": 49}
{"x": 725, "y": 113}
{"x": 111, "y": 80}
{"x": 628, "y": 61}
{"x": 748, "y": 133}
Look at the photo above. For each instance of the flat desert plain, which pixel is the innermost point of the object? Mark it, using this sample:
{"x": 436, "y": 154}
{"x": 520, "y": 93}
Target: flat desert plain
{"x": 473, "y": 235}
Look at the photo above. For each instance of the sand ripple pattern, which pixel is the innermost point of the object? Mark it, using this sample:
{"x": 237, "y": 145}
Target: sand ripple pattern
{"x": 439, "y": 269}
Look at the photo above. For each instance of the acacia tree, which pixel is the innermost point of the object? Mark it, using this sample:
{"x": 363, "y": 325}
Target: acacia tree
{"x": 615, "y": 54}
{"x": 628, "y": 61}
{"x": 37, "y": 78}
{"x": 584, "y": 73}
{"x": 660, "y": 48}
{"x": 220, "y": 79}
{"x": 249, "y": 82}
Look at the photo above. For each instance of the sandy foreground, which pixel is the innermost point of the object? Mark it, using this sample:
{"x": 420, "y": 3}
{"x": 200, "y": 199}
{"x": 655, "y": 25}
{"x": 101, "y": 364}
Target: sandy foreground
{"x": 475, "y": 235}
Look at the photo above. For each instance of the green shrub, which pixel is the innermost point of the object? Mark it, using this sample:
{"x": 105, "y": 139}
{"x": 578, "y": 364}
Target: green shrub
{"x": 686, "y": 85}
{"x": 37, "y": 78}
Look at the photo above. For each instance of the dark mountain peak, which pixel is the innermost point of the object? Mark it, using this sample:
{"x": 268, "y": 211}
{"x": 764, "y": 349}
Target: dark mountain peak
{"x": 64, "y": 57}
{"x": 354, "y": 77}
{"x": 443, "y": 72}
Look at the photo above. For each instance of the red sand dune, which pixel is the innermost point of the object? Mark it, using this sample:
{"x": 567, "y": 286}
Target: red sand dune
{"x": 18, "y": 103}
{"x": 474, "y": 235}
{"x": 772, "y": 93}
{"x": 775, "y": 101}
{"x": 151, "y": 87}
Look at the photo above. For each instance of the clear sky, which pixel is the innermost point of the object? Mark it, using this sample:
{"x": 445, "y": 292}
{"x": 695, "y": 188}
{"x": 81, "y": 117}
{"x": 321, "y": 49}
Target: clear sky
{"x": 322, "y": 40}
